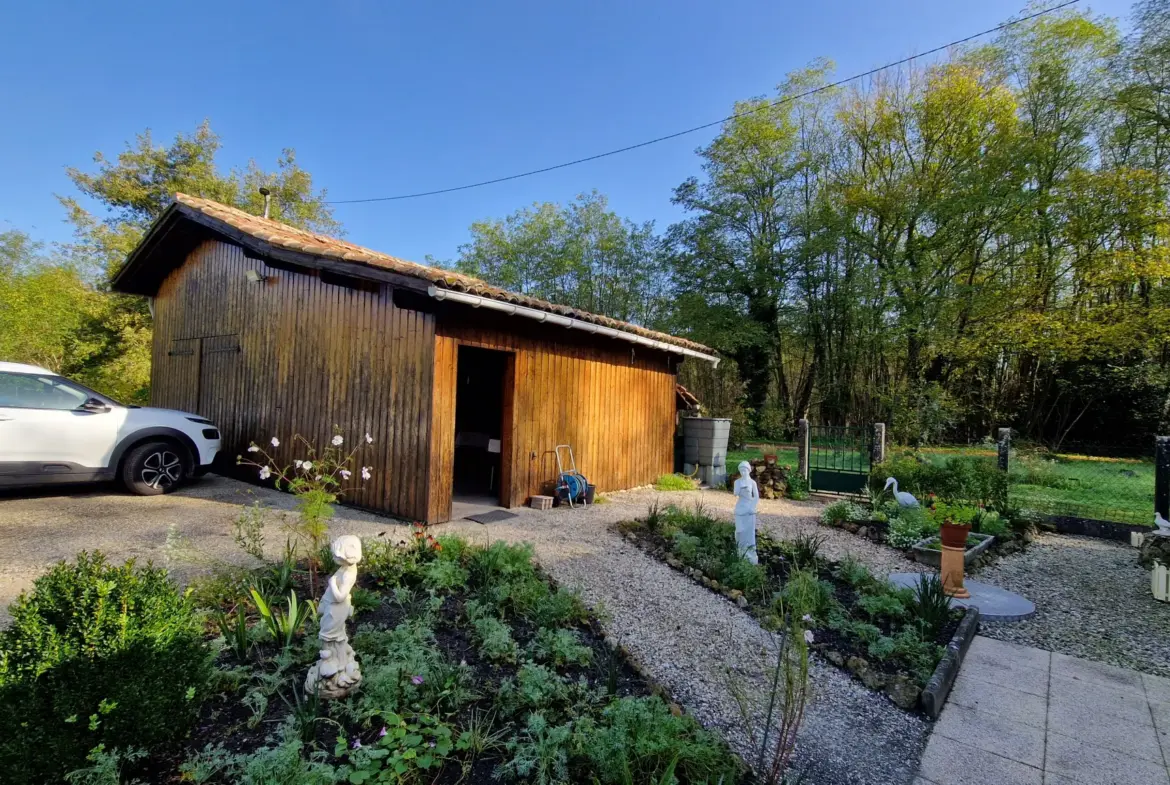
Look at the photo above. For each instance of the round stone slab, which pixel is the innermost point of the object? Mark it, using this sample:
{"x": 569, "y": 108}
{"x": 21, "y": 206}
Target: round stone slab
{"x": 994, "y": 603}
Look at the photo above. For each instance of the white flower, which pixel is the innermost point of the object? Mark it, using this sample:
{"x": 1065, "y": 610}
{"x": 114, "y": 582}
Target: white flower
{"x": 345, "y": 474}
{"x": 298, "y": 463}
{"x": 307, "y": 465}
{"x": 808, "y": 636}
{"x": 366, "y": 472}
{"x": 806, "y": 617}
{"x": 265, "y": 472}
{"x": 369, "y": 439}
{"x": 337, "y": 440}
{"x": 253, "y": 448}
{"x": 275, "y": 442}
{"x": 317, "y": 478}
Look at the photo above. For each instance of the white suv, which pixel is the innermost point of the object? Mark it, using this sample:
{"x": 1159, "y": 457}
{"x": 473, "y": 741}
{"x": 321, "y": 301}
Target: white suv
{"x": 53, "y": 430}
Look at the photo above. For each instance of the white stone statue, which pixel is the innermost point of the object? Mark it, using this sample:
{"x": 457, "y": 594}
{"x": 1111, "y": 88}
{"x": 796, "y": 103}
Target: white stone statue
{"x": 747, "y": 499}
{"x": 336, "y": 672}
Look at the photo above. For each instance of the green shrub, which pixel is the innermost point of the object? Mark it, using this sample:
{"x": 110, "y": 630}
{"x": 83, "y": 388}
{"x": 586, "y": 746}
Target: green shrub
{"x": 499, "y": 562}
{"x": 675, "y": 482}
{"x": 638, "y": 739}
{"x": 560, "y": 647}
{"x": 930, "y": 606}
{"x": 797, "y": 487}
{"x": 495, "y": 639}
{"x": 804, "y": 550}
{"x": 560, "y": 608}
{"x": 962, "y": 478}
{"x": 384, "y": 562}
{"x": 805, "y": 594}
{"x": 954, "y": 514}
{"x": 910, "y": 526}
{"x": 534, "y": 688}
{"x": 686, "y": 546}
{"x": 843, "y": 511}
{"x": 96, "y": 654}
{"x": 541, "y": 754}
{"x": 882, "y": 648}
{"x": 854, "y": 573}
{"x": 990, "y": 522}
{"x": 885, "y": 605}
{"x": 286, "y": 763}
{"x": 444, "y": 575}
{"x": 743, "y": 575}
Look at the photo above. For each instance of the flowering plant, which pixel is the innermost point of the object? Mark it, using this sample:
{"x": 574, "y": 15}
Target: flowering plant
{"x": 952, "y": 514}
{"x": 317, "y": 481}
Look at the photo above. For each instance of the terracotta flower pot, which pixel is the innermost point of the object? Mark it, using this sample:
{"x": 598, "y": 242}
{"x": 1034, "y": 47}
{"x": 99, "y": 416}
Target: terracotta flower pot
{"x": 954, "y": 536}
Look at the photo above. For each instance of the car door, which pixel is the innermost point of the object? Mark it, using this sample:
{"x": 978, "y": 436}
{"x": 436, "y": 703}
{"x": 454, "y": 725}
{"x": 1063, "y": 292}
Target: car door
{"x": 44, "y": 430}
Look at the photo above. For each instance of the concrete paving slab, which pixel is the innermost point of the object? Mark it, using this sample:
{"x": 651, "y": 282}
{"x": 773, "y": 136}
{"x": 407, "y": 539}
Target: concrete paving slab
{"x": 991, "y": 650}
{"x": 1157, "y": 687}
{"x": 954, "y": 763}
{"x": 1085, "y": 723}
{"x": 1088, "y": 763}
{"x": 1097, "y": 673}
{"x": 1007, "y": 674}
{"x": 1128, "y": 706}
{"x": 1012, "y": 705}
{"x": 992, "y": 733}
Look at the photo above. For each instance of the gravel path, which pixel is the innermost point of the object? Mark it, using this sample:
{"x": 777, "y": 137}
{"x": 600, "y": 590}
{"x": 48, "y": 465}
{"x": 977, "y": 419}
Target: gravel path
{"x": 696, "y": 644}
{"x": 704, "y": 649}
{"x": 1092, "y": 601}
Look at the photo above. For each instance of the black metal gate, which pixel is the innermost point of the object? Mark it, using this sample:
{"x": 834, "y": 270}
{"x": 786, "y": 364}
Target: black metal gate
{"x": 839, "y": 457}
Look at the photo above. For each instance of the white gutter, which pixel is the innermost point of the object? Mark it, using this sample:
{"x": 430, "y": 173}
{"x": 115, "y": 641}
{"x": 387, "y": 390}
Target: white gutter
{"x": 475, "y": 301}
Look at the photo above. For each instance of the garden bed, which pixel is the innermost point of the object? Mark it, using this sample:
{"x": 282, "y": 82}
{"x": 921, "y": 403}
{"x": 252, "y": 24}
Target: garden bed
{"x": 476, "y": 668}
{"x": 889, "y": 639}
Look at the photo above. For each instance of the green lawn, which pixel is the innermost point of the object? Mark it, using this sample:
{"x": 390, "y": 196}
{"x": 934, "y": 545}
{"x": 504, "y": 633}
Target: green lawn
{"x": 1108, "y": 489}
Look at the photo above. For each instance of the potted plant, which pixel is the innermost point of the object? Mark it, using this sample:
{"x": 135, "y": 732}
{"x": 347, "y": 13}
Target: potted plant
{"x": 954, "y": 523}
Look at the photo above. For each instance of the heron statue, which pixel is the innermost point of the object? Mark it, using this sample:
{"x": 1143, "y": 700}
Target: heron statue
{"x": 903, "y": 498}
{"x": 1162, "y": 524}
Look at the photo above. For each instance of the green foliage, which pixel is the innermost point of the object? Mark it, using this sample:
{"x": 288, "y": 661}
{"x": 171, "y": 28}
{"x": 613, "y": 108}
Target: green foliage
{"x": 285, "y": 763}
{"x": 958, "y": 479}
{"x": 804, "y": 593}
{"x": 805, "y": 550}
{"x": 686, "y": 546}
{"x": 991, "y": 522}
{"x": 444, "y": 575}
{"x": 535, "y": 688}
{"x": 887, "y": 605}
{"x": 106, "y": 768}
{"x": 248, "y": 529}
{"x": 559, "y": 647}
{"x": 907, "y": 528}
{"x": 637, "y": 740}
{"x": 952, "y": 514}
{"x": 412, "y": 749}
{"x": 675, "y": 482}
{"x": 797, "y": 487}
{"x": 96, "y": 654}
{"x": 843, "y": 512}
{"x": 541, "y": 753}
{"x": 495, "y": 639}
{"x": 930, "y": 606}
{"x": 364, "y": 600}
{"x": 284, "y": 625}
{"x": 854, "y": 573}
{"x": 234, "y": 628}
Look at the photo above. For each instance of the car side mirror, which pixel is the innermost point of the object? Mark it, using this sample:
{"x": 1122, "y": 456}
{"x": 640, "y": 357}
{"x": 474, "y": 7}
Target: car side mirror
{"x": 94, "y": 405}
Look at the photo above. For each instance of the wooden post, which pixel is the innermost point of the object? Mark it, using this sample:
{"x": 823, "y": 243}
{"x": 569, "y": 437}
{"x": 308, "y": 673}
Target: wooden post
{"x": 1005, "y": 444}
{"x": 1162, "y": 476}
{"x": 802, "y": 448}
{"x": 879, "y": 443}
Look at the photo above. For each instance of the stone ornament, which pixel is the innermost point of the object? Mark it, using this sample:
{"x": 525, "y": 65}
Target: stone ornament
{"x": 747, "y": 499}
{"x": 336, "y": 672}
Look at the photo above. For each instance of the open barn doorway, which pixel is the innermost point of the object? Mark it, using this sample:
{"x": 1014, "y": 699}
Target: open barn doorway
{"x": 483, "y": 436}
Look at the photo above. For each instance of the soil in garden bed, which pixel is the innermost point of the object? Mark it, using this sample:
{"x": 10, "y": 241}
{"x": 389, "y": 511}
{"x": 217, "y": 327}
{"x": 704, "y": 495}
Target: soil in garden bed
{"x": 224, "y": 717}
{"x": 778, "y": 567}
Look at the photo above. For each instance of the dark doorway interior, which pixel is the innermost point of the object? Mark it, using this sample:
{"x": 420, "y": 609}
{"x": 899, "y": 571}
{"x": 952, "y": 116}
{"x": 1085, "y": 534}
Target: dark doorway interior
{"x": 479, "y": 422}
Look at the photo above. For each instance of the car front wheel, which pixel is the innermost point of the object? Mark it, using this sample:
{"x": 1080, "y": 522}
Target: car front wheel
{"x": 153, "y": 468}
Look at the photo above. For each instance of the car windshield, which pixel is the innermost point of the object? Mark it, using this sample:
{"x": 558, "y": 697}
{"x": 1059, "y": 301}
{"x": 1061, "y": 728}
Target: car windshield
{"x": 45, "y": 391}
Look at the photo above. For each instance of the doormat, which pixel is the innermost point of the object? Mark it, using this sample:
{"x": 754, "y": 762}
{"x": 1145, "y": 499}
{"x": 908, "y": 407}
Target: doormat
{"x": 492, "y": 516}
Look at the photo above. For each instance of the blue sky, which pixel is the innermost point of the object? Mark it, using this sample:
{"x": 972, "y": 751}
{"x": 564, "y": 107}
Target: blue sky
{"x": 380, "y": 98}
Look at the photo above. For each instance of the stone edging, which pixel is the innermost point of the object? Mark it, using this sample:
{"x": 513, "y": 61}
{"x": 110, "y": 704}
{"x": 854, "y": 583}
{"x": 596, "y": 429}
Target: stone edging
{"x": 943, "y": 678}
{"x": 1087, "y": 527}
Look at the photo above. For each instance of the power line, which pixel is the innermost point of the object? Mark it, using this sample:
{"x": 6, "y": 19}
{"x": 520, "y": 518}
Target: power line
{"x": 677, "y": 134}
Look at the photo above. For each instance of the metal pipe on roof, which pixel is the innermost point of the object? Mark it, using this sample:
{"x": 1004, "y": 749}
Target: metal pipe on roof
{"x": 475, "y": 301}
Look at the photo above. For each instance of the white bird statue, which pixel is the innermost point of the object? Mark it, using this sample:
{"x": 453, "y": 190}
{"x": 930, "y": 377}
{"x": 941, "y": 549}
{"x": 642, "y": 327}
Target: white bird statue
{"x": 1162, "y": 524}
{"x": 903, "y": 498}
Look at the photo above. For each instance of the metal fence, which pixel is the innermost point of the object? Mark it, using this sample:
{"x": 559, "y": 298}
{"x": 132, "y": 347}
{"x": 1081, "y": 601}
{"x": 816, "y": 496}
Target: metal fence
{"x": 1090, "y": 484}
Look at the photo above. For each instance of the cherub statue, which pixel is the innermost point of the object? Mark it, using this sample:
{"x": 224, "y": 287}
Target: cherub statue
{"x": 336, "y": 672}
{"x": 747, "y": 495}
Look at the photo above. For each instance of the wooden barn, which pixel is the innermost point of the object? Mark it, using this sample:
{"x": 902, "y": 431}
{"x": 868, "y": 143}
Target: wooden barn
{"x": 466, "y": 388}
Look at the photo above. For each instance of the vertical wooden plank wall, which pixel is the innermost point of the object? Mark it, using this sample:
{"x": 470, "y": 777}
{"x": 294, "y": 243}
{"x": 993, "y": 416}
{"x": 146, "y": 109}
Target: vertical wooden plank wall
{"x": 311, "y": 356}
{"x": 616, "y": 409}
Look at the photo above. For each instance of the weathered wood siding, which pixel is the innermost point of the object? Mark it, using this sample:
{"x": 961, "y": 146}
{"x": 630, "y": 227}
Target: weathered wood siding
{"x": 294, "y": 355}
{"x": 613, "y": 405}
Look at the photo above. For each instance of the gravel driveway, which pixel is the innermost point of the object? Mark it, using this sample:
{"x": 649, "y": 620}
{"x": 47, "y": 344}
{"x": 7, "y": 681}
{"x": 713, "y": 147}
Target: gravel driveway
{"x": 1092, "y": 601}
{"x": 696, "y": 644}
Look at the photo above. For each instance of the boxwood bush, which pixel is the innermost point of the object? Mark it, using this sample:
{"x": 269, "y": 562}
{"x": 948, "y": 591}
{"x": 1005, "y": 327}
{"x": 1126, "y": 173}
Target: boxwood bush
{"x": 963, "y": 478}
{"x": 96, "y": 654}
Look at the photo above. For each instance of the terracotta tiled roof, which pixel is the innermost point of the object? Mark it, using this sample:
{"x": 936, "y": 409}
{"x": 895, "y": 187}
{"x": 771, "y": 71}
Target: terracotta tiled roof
{"x": 294, "y": 239}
